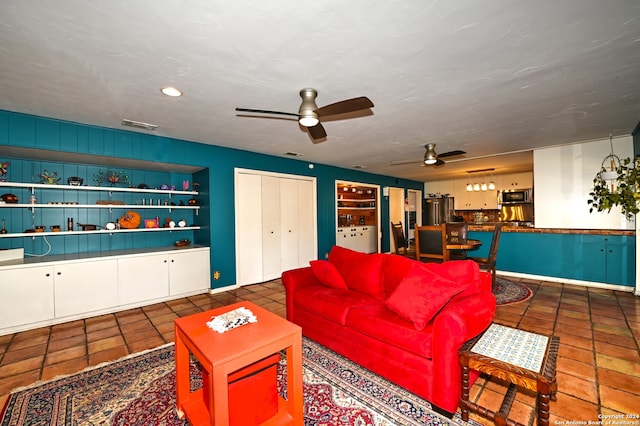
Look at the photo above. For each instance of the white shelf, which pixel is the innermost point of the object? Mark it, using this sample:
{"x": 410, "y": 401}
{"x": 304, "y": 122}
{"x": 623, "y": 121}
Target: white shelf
{"x": 95, "y": 188}
{"x": 99, "y": 206}
{"x": 99, "y": 231}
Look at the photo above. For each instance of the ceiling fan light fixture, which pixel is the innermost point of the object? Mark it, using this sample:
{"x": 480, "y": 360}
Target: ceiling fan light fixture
{"x": 171, "y": 91}
{"x": 309, "y": 120}
{"x": 430, "y": 157}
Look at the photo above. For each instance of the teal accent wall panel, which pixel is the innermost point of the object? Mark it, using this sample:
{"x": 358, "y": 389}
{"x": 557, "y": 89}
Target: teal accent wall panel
{"x": 108, "y": 143}
{"x": 4, "y": 128}
{"x": 95, "y": 140}
{"x": 47, "y": 134}
{"x": 22, "y": 130}
{"x": 68, "y": 137}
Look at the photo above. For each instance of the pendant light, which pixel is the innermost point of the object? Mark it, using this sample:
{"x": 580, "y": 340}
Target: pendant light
{"x": 610, "y": 174}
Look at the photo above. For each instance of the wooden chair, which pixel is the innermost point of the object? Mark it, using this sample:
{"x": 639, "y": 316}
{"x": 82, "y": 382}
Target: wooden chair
{"x": 431, "y": 243}
{"x": 489, "y": 262}
{"x": 456, "y": 233}
{"x": 403, "y": 247}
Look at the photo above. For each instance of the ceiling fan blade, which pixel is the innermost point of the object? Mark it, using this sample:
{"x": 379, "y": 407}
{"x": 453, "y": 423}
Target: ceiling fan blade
{"x": 317, "y": 131}
{"x": 264, "y": 111}
{"x": 451, "y": 153}
{"x": 439, "y": 162}
{"x": 343, "y": 107}
{"x": 402, "y": 163}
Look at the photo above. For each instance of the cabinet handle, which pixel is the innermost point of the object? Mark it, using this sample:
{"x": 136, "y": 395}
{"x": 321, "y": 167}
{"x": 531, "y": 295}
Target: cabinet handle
{"x": 59, "y": 273}
{"x": 172, "y": 260}
{"x": 165, "y": 261}
{"x": 47, "y": 274}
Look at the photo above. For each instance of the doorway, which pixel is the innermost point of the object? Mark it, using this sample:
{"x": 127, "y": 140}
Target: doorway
{"x": 396, "y": 212}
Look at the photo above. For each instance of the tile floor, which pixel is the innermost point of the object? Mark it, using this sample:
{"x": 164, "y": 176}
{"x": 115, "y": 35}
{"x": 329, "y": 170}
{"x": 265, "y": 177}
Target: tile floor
{"x": 598, "y": 368}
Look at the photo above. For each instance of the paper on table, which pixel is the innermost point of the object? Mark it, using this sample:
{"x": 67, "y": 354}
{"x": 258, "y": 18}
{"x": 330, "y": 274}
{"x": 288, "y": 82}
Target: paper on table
{"x": 231, "y": 319}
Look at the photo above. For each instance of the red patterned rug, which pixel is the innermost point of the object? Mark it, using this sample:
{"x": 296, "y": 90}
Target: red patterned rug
{"x": 507, "y": 291}
{"x": 140, "y": 390}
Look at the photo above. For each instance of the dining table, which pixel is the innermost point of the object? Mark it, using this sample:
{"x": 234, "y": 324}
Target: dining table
{"x": 469, "y": 244}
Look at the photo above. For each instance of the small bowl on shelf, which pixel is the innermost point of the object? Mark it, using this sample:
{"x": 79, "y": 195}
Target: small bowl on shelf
{"x": 75, "y": 181}
{"x": 182, "y": 243}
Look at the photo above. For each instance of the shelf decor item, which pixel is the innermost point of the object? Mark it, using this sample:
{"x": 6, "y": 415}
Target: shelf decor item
{"x": 111, "y": 177}
{"x": 49, "y": 179}
{"x": 4, "y": 170}
{"x": 130, "y": 220}
{"x": 75, "y": 181}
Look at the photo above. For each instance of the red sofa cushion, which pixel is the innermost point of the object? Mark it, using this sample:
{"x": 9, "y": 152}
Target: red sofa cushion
{"x": 362, "y": 272}
{"x": 380, "y": 323}
{"x": 394, "y": 268}
{"x": 327, "y": 274}
{"x": 330, "y": 303}
{"x": 421, "y": 294}
{"x": 466, "y": 271}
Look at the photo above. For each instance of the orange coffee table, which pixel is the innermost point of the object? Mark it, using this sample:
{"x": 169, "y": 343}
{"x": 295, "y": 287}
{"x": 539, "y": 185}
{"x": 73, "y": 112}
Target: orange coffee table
{"x": 224, "y": 353}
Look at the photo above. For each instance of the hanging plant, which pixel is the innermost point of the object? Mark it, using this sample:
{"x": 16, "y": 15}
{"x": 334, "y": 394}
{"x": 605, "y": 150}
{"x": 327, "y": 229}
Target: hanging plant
{"x": 623, "y": 190}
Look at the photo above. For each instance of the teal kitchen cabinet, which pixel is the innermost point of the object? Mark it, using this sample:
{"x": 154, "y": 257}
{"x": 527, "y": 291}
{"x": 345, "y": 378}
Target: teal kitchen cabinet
{"x": 608, "y": 259}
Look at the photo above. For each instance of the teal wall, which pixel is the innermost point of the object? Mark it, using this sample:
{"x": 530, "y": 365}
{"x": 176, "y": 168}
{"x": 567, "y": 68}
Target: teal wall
{"x": 29, "y": 131}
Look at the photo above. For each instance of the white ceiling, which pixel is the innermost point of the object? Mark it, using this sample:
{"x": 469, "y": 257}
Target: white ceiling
{"x": 487, "y": 77}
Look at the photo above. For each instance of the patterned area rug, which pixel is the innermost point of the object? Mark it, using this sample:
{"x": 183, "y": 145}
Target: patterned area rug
{"x": 507, "y": 291}
{"x": 140, "y": 390}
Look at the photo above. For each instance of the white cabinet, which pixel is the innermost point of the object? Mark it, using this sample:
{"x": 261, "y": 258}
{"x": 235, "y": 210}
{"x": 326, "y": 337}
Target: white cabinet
{"x": 155, "y": 276}
{"x": 189, "y": 272}
{"x": 275, "y": 224}
{"x": 27, "y": 295}
{"x": 39, "y": 294}
{"x": 440, "y": 187}
{"x": 142, "y": 277}
{"x": 85, "y": 286}
{"x": 358, "y": 238}
{"x": 516, "y": 181}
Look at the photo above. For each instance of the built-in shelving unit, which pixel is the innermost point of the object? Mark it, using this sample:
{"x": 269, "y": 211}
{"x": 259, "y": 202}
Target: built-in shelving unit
{"x": 164, "y": 205}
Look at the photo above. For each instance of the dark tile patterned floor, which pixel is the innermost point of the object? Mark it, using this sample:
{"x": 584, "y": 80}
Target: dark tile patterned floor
{"x": 598, "y": 365}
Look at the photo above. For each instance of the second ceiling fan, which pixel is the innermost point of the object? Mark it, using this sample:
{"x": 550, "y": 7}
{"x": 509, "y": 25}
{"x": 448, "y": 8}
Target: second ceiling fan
{"x": 431, "y": 158}
{"x": 309, "y": 115}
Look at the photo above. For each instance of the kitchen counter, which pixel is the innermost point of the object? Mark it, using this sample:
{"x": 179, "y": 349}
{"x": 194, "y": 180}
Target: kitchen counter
{"x": 488, "y": 227}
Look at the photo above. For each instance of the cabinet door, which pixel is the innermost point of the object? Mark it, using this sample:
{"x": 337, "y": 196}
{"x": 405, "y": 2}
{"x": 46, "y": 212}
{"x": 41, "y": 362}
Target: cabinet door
{"x": 85, "y": 287}
{"x": 189, "y": 272}
{"x": 620, "y": 263}
{"x": 27, "y": 295}
{"x": 271, "y": 228}
{"x": 142, "y": 278}
{"x": 307, "y": 246}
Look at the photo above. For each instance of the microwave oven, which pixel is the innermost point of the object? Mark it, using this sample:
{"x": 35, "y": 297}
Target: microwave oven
{"x": 517, "y": 196}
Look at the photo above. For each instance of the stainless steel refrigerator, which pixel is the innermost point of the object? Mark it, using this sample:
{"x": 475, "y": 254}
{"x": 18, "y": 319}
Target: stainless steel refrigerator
{"x": 437, "y": 210}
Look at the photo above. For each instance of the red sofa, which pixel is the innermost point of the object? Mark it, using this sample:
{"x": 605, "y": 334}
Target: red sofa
{"x": 400, "y": 318}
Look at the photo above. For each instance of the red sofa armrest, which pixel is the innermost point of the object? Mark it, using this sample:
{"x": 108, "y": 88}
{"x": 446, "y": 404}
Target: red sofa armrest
{"x": 459, "y": 321}
{"x": 293, "y": 280}
{"x": 486, "y": 281}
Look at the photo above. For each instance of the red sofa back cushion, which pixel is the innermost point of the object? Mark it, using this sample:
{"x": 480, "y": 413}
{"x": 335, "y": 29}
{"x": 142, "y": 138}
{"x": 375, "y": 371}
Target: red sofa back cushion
{"x": 327, "y": 274}
{"x": 362, "y": 272}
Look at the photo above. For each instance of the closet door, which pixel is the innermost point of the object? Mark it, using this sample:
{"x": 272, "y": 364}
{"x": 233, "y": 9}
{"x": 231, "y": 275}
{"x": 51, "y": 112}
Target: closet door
{"x": 271, "y": 228}
{"x": 306, "y": 210}
{"x": 289, "y": 224}
{"x": 248, "y": 228}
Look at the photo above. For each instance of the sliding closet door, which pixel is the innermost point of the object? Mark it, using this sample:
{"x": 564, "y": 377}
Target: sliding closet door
{"x": 248, "y": 228}
{"x": 271, "y": 228}
{"x": 275, "y": 224}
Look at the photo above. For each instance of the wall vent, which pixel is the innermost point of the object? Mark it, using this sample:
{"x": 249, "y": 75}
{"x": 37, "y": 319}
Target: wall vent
{"x": 293, "y": 154}
{"x": 138, "y": 124}
{"x": 358, "y": 166}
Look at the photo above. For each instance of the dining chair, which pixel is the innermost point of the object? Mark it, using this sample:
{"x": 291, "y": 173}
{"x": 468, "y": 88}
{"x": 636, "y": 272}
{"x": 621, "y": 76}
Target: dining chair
{"x": 489, "y": 262}
{"x": 456, "y": 233}
{"x": 403, "y": 247}
{"x": 431, "y": 243}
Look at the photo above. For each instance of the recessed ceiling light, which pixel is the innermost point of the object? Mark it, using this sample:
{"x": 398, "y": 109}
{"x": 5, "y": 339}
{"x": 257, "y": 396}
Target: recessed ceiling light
{"x": 171, "y": 91}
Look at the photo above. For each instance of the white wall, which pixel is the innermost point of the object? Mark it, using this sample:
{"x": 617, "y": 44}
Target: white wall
{"x": 563, "y": 177}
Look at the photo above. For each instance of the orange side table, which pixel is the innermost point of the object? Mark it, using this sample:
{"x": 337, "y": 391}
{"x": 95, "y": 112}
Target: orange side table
{"x": 222, "y": 354}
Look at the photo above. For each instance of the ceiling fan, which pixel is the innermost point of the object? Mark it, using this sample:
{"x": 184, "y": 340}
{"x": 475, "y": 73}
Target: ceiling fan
{"x": 430, "y": 157}
{"x": 309, "y": 115}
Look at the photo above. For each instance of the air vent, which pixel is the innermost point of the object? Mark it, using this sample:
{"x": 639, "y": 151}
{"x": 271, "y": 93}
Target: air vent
{"x": 358, "y": 166}
{"x": 139, "y": 124}
{"x": 293, "y": 154}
